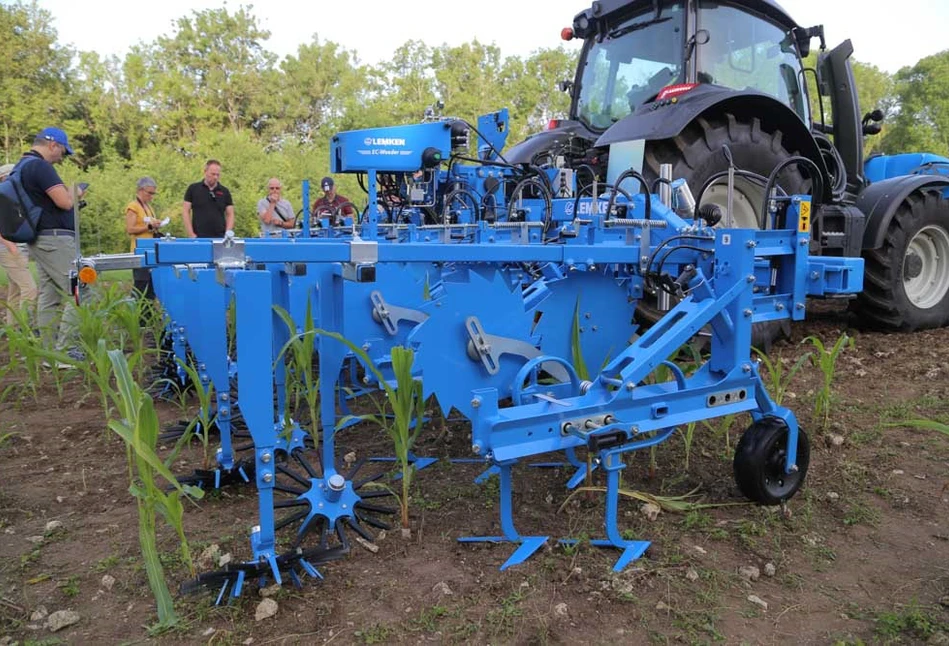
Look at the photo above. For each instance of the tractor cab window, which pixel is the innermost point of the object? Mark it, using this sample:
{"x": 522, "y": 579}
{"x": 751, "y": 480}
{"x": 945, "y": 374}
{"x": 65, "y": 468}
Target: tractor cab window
{"x": 746, "y": 51}
{"x": 637, "y": 57}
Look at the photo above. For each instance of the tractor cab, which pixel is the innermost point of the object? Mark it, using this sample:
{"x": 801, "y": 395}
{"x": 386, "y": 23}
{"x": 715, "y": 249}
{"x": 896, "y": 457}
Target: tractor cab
{"x": 634, "y": 51}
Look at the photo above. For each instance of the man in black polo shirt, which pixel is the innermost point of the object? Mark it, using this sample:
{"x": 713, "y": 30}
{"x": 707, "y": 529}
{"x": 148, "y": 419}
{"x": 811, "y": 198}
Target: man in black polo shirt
{"x": 54, "y": 248}
{"x": 208, "y": 210}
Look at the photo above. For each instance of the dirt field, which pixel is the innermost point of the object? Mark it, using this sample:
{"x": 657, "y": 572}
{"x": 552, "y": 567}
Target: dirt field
{"x": 860, "y": 556}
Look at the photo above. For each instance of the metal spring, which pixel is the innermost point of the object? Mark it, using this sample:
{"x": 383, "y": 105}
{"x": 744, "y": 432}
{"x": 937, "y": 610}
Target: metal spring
{"x": 517, "y": 225}
{"x": 643, "y": 224}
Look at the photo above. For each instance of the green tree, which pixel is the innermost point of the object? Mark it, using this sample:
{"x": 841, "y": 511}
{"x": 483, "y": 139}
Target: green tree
{"x": 34, "y": 77}
{"x": 213, "y": 72}
{"x": 922, "y": 123}
{"x": 322, "y": 91}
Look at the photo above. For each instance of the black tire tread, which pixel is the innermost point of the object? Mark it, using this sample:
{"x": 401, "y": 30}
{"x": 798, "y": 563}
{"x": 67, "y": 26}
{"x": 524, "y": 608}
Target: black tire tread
{"x": 751, "y": 452}
{"x": 882, "y": 303}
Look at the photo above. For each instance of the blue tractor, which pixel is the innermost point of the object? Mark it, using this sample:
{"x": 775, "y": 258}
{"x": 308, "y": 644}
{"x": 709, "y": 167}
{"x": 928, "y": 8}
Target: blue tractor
{"x": 714, "y": 92}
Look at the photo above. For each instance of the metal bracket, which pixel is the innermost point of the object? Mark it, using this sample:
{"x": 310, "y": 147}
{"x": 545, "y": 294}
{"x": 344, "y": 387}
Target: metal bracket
{"x": 363, "y": 252}
{"x": 726, "y": 397}
{"x": 228, "y": 253}
{"x": 389, "y": 316}
{"x": 488, "y": 349}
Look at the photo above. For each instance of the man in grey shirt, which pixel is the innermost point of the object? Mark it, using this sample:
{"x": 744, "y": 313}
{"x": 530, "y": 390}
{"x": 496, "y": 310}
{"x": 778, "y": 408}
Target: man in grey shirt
{"x": 275, "y": 213}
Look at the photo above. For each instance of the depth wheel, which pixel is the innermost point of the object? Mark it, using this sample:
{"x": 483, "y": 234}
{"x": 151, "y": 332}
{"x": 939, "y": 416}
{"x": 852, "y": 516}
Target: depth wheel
{"x": 760, "y": 458}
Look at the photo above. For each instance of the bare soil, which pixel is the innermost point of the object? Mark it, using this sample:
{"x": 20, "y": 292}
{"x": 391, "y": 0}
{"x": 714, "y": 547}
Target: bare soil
{"x": 860, "y": 555}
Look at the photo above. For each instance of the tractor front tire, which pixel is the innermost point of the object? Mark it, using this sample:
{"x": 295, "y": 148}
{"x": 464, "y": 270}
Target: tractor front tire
{"x": 906, "y": 281}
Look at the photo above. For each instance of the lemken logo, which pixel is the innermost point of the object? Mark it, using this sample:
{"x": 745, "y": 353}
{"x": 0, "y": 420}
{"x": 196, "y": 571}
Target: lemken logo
{"x": 384, "y": 141}
{"x": 586, "y": 208}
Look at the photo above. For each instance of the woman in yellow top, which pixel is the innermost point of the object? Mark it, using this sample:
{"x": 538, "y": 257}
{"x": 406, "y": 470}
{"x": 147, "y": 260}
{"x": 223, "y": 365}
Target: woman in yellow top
{"x": 140, "y": 222}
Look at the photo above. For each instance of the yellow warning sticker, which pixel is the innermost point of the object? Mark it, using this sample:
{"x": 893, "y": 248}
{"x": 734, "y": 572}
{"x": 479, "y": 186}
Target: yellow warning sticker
{"x": 804, "y": 221}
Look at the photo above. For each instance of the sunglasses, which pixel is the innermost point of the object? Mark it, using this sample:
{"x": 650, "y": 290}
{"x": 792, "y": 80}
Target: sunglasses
{"x": 151, "y": 192}
{"x": 274, "y": 188}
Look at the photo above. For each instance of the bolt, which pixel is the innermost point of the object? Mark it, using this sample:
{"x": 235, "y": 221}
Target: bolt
{"x": 814, "y": 275}
{"x": 336, "y": 482}
{"x": 630, "y": 385}
{"x": 746, "y": 367}
{"x": 747, "y": 312}
{"x": 224, "y": 397}
{"x": 587, "y": 315}
{"x": 366, "y": 381}
{"x": 265, "y": 458}
{"x": 794, "y": 468}
{"x": 750, "y": 279}
{"x": 344, "y": 505}
{"x": 476, "y": 402}
{"x": 365, "y": 347}
{"x": 268, "y": 477}
{"x": 751, "y": 244}
{"x": 799, "y": 306}
{"x": 476, "y": 448}
{"x": 779, "y": 306}
{"x": 320, "y": 505}
{"x": 224, "y": 410}
{"x": 594, "y": 328}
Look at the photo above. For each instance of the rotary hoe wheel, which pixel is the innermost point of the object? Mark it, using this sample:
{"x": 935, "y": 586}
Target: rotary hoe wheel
{"x": 312, "y": 508}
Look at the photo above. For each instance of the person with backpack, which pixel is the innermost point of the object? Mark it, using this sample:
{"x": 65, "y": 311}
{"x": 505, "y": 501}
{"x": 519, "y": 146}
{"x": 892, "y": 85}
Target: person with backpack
{"x": 54, "y": 246}
{"x": 21, "y": 288}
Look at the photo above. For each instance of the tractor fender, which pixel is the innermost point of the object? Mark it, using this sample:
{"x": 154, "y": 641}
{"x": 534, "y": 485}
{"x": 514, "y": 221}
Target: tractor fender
{"x": 667, "y": 118}
{"x": 880, "y": 200}
{"x": 545, "y": 140}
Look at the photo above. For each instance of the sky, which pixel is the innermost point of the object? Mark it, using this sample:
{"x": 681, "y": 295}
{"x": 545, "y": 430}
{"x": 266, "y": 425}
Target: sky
{"x": 884, "y": 34}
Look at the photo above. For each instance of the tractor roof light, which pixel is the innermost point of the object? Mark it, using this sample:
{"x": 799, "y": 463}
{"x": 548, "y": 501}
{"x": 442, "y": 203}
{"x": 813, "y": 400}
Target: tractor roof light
{"x": 566, "y": 33}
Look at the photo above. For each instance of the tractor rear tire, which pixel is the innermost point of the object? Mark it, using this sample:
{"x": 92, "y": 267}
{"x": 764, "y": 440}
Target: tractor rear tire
{"x": 906, "y": 281}
{"x": 696, "y": 154}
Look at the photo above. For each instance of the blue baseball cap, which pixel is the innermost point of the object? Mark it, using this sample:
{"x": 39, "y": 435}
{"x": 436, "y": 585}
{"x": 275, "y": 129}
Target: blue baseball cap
{"x": 57, "y": 135}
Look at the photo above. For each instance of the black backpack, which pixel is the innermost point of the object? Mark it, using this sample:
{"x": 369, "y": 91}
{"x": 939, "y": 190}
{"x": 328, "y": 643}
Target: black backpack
{"x": 19, "y": 215}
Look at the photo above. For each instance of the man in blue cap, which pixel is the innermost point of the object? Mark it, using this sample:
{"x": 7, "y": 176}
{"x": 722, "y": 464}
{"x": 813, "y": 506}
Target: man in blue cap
{"x": 332, "y": 205}
{"x": 54, "y": 248}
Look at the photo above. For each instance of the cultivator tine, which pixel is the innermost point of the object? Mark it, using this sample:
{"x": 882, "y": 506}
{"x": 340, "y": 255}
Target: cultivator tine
{"x": 303, "y": 462}
{"x": 362, "y": 532}
{"x": 288, "y": 489}
{"x": 357, "y": 465}
{"x": 362, "y": 483}
{"x": 304, "y": 482}
{"x": 378, "y": 493}
{"x": 341, "y": 534}
{"x": 372, "y": 522}
{"x": 223, "y": 591}
{"x": 283, "y": 504}
{"x": 292, "y": 518}
{"x": 375, "y": 509}
{"x": 305, "y": 529}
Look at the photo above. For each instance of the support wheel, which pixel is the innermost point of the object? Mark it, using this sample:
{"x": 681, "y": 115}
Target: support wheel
{"x": 906, "y": 285}
{"x": 759, "y": 462}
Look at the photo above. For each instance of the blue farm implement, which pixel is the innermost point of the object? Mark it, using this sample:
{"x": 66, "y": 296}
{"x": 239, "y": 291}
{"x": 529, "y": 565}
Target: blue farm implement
{"x": 516, "y": 289}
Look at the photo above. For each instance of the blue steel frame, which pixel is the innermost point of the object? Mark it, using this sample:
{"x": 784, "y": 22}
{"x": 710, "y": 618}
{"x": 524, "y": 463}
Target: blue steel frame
{"x": 727, "y": 267}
